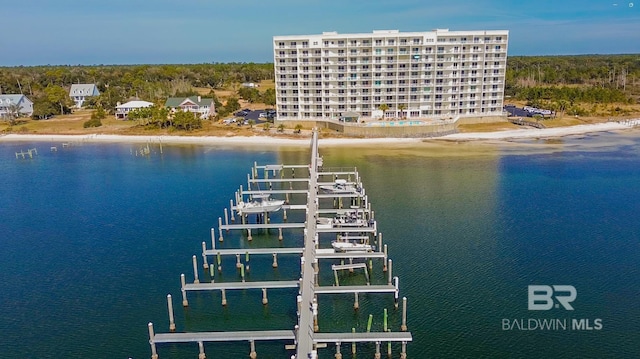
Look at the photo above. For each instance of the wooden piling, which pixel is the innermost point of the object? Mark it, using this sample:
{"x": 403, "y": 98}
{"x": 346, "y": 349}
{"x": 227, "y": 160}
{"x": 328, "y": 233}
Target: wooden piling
{"x": 384, "y": 320}
{"x": 172, "y": 323}
{"x": 252, "y": 353}
{"x": 356, "y": 302}
{"x": 220, "y": 238}
{"x": 384, "y": 263}
{"x": 396, "y": 292}
{"x": 205, "y": 264}
{"x": 403, "y": 327}
{"x": 195, "y": 269}
{"x": 183, "y": 282}
{"x": 154, "y": 353}
{"x": 353, "y": 344}
{"x": 201, "y": 355}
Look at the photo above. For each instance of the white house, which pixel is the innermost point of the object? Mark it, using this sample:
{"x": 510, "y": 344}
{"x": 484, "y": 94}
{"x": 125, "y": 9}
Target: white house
{"x": 123, "y": 110}
{"x": 23, "y": 105}
{"x": 204, "y": 107}
{"x": 80, "y": 92}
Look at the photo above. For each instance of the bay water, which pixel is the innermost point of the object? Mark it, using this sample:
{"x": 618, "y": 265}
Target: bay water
{"x": 93, "y": 237}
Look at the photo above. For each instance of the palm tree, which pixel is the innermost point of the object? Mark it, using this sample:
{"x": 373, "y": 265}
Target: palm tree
{"x": 251, "y": 123}
{"x": 384, "y": 107}
{"x": 266, "y": 126}
{"x": 402, "y": 107}
{"x": 13, "y": 112}
{"x": 298, "y": 128}
{"x": 281, "y": 127}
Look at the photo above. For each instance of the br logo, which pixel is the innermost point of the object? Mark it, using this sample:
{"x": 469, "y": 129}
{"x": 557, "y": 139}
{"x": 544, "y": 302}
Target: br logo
{"x": 541, "y": 297}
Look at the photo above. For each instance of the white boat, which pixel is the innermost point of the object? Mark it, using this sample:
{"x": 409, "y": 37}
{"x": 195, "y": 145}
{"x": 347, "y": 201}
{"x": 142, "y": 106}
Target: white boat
{"x": 340, "y": 186}
{"x": 263, "y": 204}
{"x": 351, "y": 247}
{"x": 324, "y": 222}
{"x": 344, "y": 219}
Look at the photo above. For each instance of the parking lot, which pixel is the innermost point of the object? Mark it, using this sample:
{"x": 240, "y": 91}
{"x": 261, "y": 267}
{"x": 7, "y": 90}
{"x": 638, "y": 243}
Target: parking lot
{"x": 244, "y": 115}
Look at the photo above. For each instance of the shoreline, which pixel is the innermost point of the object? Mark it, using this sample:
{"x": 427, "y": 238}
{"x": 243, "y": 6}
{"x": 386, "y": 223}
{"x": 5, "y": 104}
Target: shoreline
{"x": 528, "y": 133}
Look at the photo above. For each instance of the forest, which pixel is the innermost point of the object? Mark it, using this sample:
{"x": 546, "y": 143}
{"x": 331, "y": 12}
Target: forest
{"x": 539, "y": 80}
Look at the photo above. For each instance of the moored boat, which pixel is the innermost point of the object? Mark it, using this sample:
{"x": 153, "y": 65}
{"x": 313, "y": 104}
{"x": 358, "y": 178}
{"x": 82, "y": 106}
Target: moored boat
{"x": 340, "y": 186}
{"x": 263, "y": 204}
{"x": 351, "y": 246}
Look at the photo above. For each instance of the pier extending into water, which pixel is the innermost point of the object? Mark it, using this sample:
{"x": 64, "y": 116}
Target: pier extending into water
{"x": 357, "y": 244}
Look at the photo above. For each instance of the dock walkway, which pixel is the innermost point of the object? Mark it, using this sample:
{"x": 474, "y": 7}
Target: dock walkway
{"x": 360, "y": 229}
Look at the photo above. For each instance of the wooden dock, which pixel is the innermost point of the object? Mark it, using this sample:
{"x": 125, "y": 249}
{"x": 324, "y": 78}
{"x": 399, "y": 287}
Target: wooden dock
{"x": 304, "y": 339}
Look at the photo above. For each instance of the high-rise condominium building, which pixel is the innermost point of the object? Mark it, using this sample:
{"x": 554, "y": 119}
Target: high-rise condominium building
{"x": 434, "y": 74}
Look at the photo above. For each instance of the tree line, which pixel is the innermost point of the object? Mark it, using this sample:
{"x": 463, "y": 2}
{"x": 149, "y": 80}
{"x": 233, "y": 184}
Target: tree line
{"x": 580, "y": 78}
{"x": 48, "y": 86}
{"x": 584, "y": 78}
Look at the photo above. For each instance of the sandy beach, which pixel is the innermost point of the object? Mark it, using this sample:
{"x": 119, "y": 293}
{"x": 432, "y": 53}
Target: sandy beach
{"x": 304, "y": 141}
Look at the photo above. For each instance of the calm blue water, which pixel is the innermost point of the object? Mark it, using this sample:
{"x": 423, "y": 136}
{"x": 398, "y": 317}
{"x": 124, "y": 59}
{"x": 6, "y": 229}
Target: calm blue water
{"x": 93, "y": 238}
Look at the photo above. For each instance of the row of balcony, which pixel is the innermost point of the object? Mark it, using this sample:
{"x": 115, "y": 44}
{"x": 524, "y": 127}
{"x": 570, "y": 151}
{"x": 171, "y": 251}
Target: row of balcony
{"x": 395, "y": 43}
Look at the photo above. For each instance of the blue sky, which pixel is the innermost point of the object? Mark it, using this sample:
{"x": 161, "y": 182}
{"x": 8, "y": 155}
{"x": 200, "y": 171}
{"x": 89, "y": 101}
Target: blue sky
{"x": 40, "y": 32}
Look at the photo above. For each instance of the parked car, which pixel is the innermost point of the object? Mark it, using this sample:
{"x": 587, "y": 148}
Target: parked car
{"x": 229, "y": 121}
{"x": 262, "y": 114}
{"x": 241, "y": 113}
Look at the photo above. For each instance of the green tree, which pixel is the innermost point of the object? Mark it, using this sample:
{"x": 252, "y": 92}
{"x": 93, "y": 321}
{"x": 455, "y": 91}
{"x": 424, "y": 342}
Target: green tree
{"x": 251, "y": 123}
{"x": 12, "y": 114}
{"x": 58, "y": 96}
{"x": 269, "y": 97}
{"x": 384, "y": 108}
{"x": 99, "y": 113}
{"x": 249, "y": 94}
{"x": 281, "y": 127}
{"x": 298, "y": 128}
{"x": 186, "y": 120}
{"x": 232, "y": 104}
{"x": 402, "y": 107}
{"x": 43, "y": 109}
{"x": 266, "y": 126}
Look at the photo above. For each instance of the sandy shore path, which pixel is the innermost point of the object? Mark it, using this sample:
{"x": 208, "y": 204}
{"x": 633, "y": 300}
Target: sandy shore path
{"x": 304, "y": 141}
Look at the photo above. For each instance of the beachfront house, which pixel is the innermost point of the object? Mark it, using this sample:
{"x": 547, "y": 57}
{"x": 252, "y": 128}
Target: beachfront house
{"x": 15, "y": 106}
{"x": 122, "y": 111}
{"x": 203, "y": 107}
{"x": 80, "y": 92}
